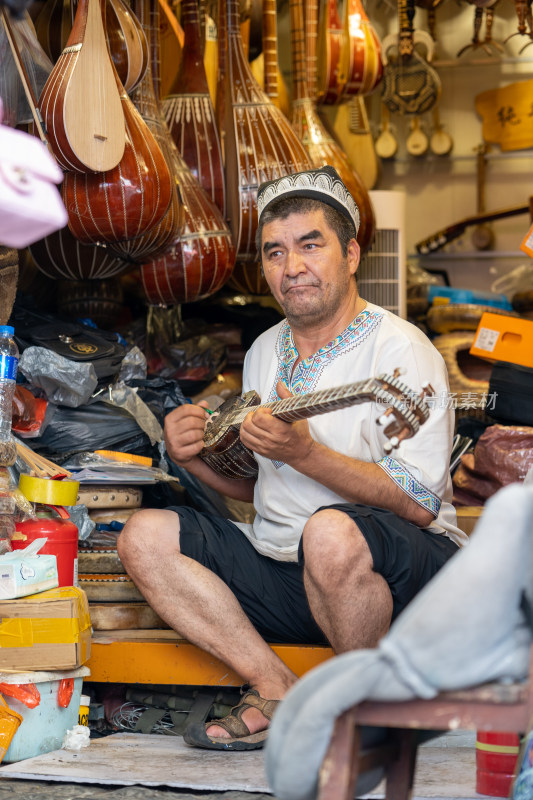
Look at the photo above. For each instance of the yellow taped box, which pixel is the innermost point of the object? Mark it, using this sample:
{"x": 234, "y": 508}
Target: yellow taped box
{"x": 49, "y": 630}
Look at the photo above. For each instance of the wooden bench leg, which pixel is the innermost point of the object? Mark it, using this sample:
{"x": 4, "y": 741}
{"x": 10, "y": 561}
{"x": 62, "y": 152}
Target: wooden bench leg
{"x": 400, "y": 771}
{"x": 338, "y": 774}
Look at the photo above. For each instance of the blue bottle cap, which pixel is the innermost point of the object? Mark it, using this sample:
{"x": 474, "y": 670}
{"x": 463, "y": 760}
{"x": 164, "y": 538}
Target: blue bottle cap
{"x": 6, "y": 329}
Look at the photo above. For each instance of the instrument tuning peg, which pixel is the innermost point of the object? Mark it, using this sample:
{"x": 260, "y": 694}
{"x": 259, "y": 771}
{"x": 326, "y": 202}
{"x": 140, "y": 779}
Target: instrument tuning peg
{"x": 427, "y": 390}
{"x": 384, "y": 419}
{"x": 399, "y": 371}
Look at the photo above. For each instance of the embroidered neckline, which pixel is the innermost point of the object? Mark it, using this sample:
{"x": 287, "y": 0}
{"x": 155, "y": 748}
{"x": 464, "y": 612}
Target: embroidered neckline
{"x": 305, "y": 376}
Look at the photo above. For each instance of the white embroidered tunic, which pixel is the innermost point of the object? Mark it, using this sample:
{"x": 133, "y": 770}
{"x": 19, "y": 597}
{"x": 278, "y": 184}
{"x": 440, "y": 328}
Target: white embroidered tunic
{"x": 376, "y": 342}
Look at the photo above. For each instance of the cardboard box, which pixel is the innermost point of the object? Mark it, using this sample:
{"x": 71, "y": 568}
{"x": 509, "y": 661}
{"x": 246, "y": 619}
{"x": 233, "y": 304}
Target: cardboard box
{"x": 23, "y": 572}
{"x": 46, "y": 631}
{"x": 501, "y": 338}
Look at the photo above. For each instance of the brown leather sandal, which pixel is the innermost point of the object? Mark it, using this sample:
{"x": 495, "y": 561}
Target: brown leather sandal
{"x": 240, "y": 737}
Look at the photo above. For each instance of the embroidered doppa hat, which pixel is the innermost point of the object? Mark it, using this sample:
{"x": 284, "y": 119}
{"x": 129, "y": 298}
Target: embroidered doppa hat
{"x": 323, "y": 184}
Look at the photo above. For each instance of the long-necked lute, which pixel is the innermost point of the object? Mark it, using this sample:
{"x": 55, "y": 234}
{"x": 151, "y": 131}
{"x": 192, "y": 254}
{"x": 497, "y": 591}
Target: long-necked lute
{"x": 320, "y": 145}
{"x": 80, "y": 102}
{"x": 201, "y": 258}
{"x": 190, "y": 115}
{"x": 405, "y": 412}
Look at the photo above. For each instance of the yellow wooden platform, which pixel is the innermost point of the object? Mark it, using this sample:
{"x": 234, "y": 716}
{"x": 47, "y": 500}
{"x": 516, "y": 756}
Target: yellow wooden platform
{"x": 160, "y": 656}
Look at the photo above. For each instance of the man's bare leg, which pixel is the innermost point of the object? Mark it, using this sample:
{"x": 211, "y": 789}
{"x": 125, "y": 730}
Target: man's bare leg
{"x": 350, "y": 602}
{"x": 200, "y": 607}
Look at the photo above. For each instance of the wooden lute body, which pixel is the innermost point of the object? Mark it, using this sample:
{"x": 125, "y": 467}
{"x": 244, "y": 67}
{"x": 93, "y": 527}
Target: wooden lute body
{"x": 361, "y": 67}
{"x": 320, "y": 145}
{"x": 330, "y": 36}
{"x": 127, "y": 43}
{"x": 260, "y": 144}
{"x": 63, "y": 257}
{"x": 225, "y": 453}
{"x": 156, "y": 239}
{"x": 124, "y": 203}
{"x": 190, "y": 115}
{"x": 200, "y": 260}
{"x": 80, "y": 102}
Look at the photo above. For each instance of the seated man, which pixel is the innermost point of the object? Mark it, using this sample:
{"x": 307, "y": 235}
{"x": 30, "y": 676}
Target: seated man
{"x": 344, "y": 536}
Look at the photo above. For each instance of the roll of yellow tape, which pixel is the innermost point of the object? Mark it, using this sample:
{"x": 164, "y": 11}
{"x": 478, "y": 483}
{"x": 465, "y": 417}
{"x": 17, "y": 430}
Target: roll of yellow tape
{"x": 44, "y": 490}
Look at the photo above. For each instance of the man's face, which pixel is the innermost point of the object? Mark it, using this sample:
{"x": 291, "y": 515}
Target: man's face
{"x": 305, "y": 268}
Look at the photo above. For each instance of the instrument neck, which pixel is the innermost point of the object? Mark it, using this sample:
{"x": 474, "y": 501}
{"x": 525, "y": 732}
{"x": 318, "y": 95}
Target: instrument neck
{"x": 270, "y": 48}
{"x": 309, "y": 405}
{"x": 144, "y": 95}
{"x": 311, "y": 36}
{"x": 300, "y": 87}
{"x": 190, "y": 20}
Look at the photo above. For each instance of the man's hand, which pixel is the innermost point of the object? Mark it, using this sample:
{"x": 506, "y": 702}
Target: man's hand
{"x": 273, "y": 438}
{"x": 184, "y": 432}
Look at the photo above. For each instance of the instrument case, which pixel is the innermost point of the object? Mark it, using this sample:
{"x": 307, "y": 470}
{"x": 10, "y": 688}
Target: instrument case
{"x": 510, "y": 398}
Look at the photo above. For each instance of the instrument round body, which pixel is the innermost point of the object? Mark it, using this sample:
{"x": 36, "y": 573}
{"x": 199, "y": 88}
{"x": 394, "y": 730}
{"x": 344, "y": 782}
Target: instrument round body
{"x": 53, "y": 26}
{"x": 201, "y": 259}
{"x": 61, "y": 256}
{"x": 190, "y": 115}
{"x": 127, "y": 41}
{"x": 223, "y": 450}
{"x": 159, "y": 237}
{"x": 310, "y": 131}
{"x": 260, "y": 144}
{"x": 80, "y": 102}
{"x": 361, "y": 67}
{"x": 127, "y": 201}
{"x": 329, "y": 44}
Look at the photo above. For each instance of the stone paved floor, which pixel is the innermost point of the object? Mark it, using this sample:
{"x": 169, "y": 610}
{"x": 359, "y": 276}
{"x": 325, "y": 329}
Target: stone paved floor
{"x": 40, "y": 790}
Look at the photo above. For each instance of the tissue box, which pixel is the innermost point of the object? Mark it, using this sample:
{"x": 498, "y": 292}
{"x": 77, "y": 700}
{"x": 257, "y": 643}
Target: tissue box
{"x": 51, "y": 630}
{"x": 23, "y": 572}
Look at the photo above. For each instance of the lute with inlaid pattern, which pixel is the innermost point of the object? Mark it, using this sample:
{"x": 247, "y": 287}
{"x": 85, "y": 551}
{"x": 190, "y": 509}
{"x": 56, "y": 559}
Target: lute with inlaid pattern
{"x": 405, "y": 411}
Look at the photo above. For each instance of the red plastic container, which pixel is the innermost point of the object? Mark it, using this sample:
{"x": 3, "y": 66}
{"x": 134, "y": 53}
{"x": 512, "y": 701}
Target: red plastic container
{"x": 496, "y": 757}
{"x": 62, "y": 536}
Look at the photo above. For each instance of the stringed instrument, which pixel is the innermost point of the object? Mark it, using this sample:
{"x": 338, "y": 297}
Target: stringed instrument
{"x": 126, "y": 202}
{"x": 80, "y": 102}
{"x": 61, "y": 256}
{"x": 171, "y": 41}
{"x": 310, "y": 130}
{"x": 200, "y": 260}
{"x": 349, "y": 125}
{"x": 410, "y": 84}
{"x": 190, "y": 115}
{"x": 386, "y": 143}
{"x": 360, "y": 65}
{"x": 266, "y": 67}
{"x": 224, "y": 452}
{"x": 125, "y": 37}
{"x": 53, "y": 26}
{"x": 442, "y": 237}
{"x": 157, "y": 238}
{"x": 127, "y": 43}
{"x": 329, "y": 43}
{"x": 260, "y": 144}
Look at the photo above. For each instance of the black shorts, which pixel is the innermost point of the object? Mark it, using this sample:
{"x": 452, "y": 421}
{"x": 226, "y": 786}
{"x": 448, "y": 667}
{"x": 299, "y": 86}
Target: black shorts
{"x": 272, "y": 593}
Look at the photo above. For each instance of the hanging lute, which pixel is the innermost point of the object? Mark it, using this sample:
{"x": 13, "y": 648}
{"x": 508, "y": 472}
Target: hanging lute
{"x": 410, "y": 84}
{"x": 80, "y": 102}
{"x": 225, "y": 453}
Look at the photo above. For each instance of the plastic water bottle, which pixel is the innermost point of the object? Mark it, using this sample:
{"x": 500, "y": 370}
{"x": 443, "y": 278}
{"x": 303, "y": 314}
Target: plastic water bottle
{"x": 9, "y": 357}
